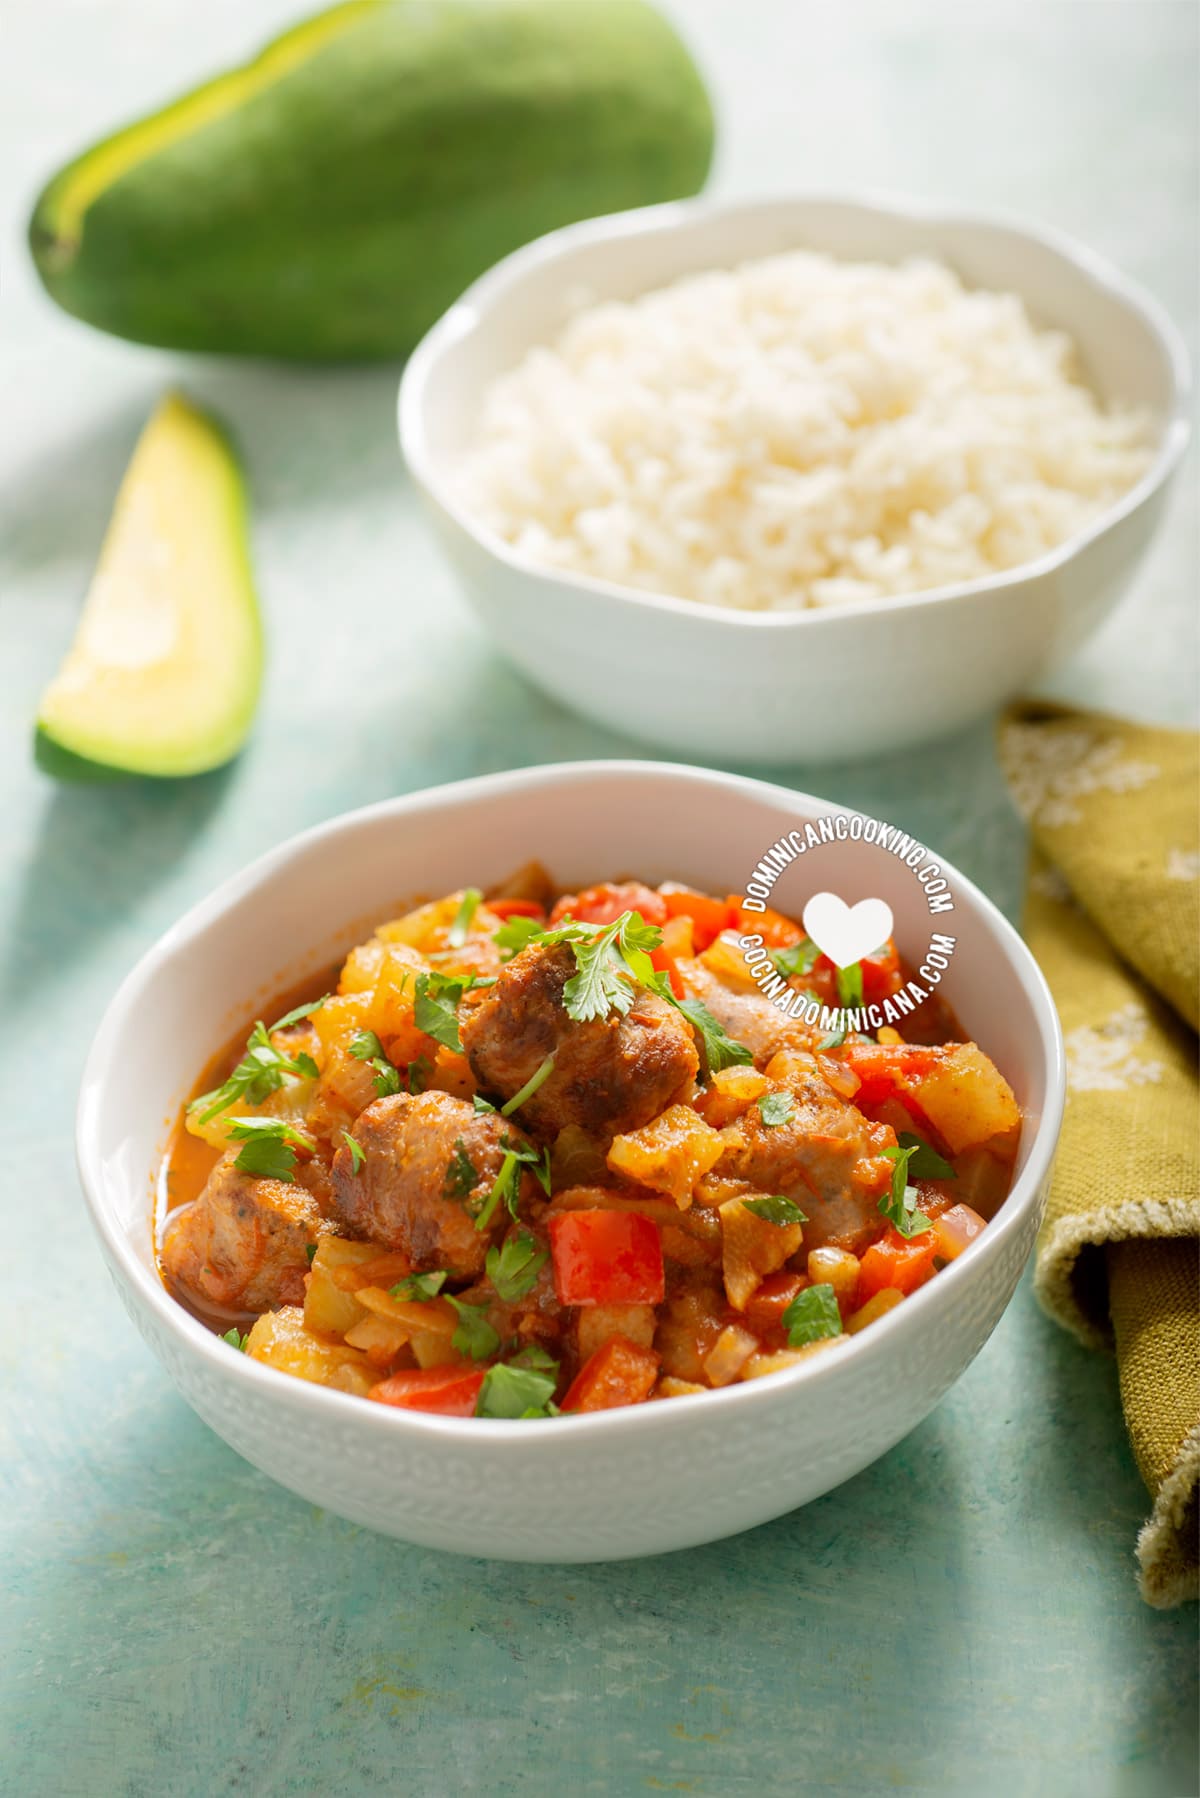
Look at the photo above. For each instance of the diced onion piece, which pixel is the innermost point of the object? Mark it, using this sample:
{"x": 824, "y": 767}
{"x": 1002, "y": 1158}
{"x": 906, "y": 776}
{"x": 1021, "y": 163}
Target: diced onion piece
{"x": 724, "y": 959}
{"x": 669, "y": 1154}
{"x": 596, "y": 1323}
{"x": 379, "y": 1338}
{"x": 414, "y": 1314}
{"x": 956, "y": 1230}
{"x": 729, "y": 1354}
{"x": 759, "y": 1365}
{"x": 669, "y": 1387}
{"x": 837, "y": 1268}
{"x": 885, "y": 1300}
{"x": 328, "y": 1305}
{"x": 729, "y": 1093}
{"x": 751, "y": 1248}
{"x": 280, "y": 1339}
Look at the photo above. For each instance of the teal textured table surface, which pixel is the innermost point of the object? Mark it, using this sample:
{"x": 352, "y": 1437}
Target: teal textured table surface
{"x": 960, "y": 1618}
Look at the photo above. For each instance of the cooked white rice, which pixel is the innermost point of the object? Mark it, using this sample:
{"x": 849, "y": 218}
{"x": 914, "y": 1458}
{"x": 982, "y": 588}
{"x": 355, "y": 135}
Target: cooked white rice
{"x": 799, "y": 432}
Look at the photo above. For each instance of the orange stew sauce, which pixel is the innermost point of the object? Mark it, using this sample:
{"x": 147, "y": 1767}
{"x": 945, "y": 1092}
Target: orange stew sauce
{"x": 531, "y": 1154}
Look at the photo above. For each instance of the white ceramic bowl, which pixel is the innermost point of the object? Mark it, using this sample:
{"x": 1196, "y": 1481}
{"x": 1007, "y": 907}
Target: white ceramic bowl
{"x": 619, "y": 1483}
{"x": 814, "y": 686}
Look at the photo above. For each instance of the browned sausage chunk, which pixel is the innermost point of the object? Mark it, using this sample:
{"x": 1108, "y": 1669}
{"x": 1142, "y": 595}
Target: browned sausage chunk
{"x": 826, "y": 1157}
{"x": 610, "y": 1074}
{"x": 242, "y": 1243}
{"x": 429, "y": 1164}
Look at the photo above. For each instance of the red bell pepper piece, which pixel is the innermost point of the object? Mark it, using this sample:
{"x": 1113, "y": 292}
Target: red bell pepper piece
{"x": 605, "y": 903}
{"x": 709, "y": 916}
{"x": 899, "y": 1261}
{"x": 765, "y": 1308}
{"x": 678, "y": 940}
{"x": 881, "y": 973}
{"x": 451, "y": 1391}
{"x": 606, "y": 1258}
{"x": 619, "y": 1373}
{"x": 516, "y": 908}
{"x": 888, "y": 1068}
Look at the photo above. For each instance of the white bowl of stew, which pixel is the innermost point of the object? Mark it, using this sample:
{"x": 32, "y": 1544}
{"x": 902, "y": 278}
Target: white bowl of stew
{"x": 582, "y": 1485}
{"x": 708, "y": 681}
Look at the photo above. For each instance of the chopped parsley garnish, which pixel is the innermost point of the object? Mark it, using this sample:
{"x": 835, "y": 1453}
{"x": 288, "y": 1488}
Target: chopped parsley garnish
{"x": 812, "y": 1315}
{"x": 514, "y": 934}
{"x": 357, "y": 1155}
{"x": 513, "y": 1269}
{"x": 898, "y": 1204}
{"x": 310, "y": 1249}
{"x": 268, "y": 1150}
{"x": 797, "y": 958}
{"x": 925, "y": 1163}
{"x": 435, "y": 1006}
{"x": 420, "y": 1287}
{"x": 261, "y": 1072}
{"x": 511, "y": 1391}
{"x": 417, "y": 1076}
{"x": 834, "y": 1040}
{"x": 850, "y": 986}
{"x": 236, "y": 1339}
{"x": 483, "y": 1106}
{"x": 776, "y": 1210}
{"x": 717, "y": 1050}
{"x": 507, "y": 1184}
{"x": 535, "y": 1356}
{"x": 367, "y": 1047}
{"x": 775, "y": 1108}
{"x": 474, "y": 1335}
{"x": 299, "y": 1012}
{"x": 456, "y": 936}
{"x": 530, "y": 1087}
{"x": 607, "y": 963}
{"x": 462, "y": 1176}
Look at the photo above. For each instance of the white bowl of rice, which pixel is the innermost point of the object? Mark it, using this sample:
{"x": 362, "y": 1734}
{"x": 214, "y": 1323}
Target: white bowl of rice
{"x": 797, "y": 480}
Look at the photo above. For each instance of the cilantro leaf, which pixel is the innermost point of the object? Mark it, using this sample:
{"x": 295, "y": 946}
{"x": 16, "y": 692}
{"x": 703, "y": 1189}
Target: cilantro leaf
{"x": 462, "y": 1176}
{"x": 535, "y": 1080}
{"x": 434, "y": 1008}
{"x": 310, "y": 1250}
{"x": 474, "y": 1335}
{"x": 420, "y": 1287}
{"x": 456, "y": 936}
{"x": 535, "y": 1356}
{"x": 514, "y": 934}
{"x": 834, "y": 1040}
{"x": 925, "y": 1163}
{"x": 717, "y": 1050}
{"x": 483, "y": 1106}
{"x": 298, "y": 1012}
{"x": 850, "y": 986}
{"x": 812, "y": 1315}
{"x": 357, "y": 1156}
{"x": 513, "y": 1269}
{"x": 776, "y": 1210}
{"x": 598, "y": 984}
{"x": 510, "y": 1391}
{"x": 236, "y": 1339}
{"x": 898, "y": 1204}
{"x": 775, "y": 1108}
{"x": 268, "y": 1153}
{"x": 261, "y": 1071}
{"x": 507, "y": 1184}
{"x": 367, "y": 1047}
{"x": 797, "y": 958}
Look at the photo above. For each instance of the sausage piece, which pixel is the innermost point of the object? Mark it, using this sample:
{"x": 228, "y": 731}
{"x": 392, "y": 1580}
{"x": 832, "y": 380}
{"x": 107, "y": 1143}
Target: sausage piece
{"x": 610, "y": 1074}
{"x": 826, "y": 1157}
{"x": 429, "y": 1163}
{"x": 242, "y": 1244}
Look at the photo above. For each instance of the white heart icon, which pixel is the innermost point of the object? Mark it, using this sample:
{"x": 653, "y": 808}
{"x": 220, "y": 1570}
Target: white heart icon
{"x": 846, "y": 933}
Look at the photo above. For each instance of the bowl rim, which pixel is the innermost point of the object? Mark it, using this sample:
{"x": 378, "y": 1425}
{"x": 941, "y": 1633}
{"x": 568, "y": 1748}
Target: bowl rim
{"x": 673, "y": 216}
{"x": 517, "y": 1435}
